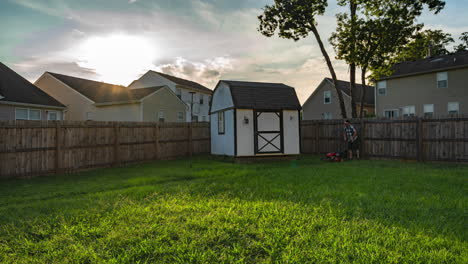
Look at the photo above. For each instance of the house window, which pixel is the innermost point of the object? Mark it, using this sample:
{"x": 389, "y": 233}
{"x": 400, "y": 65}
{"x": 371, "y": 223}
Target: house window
{"x": 178, "y": 92}
{"x": 180, "y": 116}
{"x": 409, "y": 111}
{"x": 195, "y": 118}
{"x": 34, "y": 114}
{"x": 327, "y": 97}
{"x": 453, "y": 108}
{"x": 221, "y": 123}
{"x": 382, "y": 87}
{"x": 89, "y": 116}
{"x": 428, "y": 110}
{"x": 442, "y": 80}
{"x": 327, "y": 115}
{"x": 391, "y": 113}
{"x": 52, "y": 115}
{"x": 21, "y": 114}
{"x": 161, "y": 117}
{"x": 201, "y": 98}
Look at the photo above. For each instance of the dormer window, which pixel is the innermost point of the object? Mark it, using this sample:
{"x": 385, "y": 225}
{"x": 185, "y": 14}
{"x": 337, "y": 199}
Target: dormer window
{"x": 327, "y": 97}
{"x": 442, "y": 80}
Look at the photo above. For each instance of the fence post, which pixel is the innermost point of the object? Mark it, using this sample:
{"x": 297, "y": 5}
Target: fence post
{"x": 156, "y": 141}
{"x": 190, "y": 144}
{"x": 363, "y": 134}
{"x": 58, "y": 147}
{"x": 116, "y": 144}
{"x": 317, "y": 138}
{"x": 419, "y": 137}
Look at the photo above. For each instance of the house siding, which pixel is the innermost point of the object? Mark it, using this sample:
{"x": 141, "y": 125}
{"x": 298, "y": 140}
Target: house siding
{"x": 119, "y": 112}
{"x": 223, "y": 144}
{"x": 7, "y": 112}
{"x": 166, "y": 101}
{"x": 77, "y": 105}
{"x": 422, "y": 89}
{"x": 314, "y": 108}
{"x": 150, "y": 79}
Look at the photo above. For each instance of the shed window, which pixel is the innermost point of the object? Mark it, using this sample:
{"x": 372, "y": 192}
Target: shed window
{"x": 327, "y": 97}
{"x": 409, "y": 111}
{"x": 221, "y": 123}
{"x": 21, "y": 114}
{"x": 428, "y": 110}
{"x": 453, "y": 108}
{"x": 382, "y": 87}
{"x": 442, "y": 80}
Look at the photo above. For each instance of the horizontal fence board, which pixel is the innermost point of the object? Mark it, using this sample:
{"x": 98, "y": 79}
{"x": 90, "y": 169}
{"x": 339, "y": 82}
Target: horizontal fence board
{"x": 32, "y": 148}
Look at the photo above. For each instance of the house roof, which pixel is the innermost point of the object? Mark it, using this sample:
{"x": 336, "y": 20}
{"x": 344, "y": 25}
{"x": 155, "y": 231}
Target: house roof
{"x": 369, "y": 97}
{"x": 15, "y": 88}
{"x": 264, "y": 96}
{"x": 100, "y": 92}
{"x": 186, "y": 83}
{"x": 431, "y": 64}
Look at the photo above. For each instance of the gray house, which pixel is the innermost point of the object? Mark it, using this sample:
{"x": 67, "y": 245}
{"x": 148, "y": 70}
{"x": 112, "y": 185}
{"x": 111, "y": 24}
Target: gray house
{"x": 323, "y": 103}
{"x": 22, "y": 100}
{"x": 435, "y": 86}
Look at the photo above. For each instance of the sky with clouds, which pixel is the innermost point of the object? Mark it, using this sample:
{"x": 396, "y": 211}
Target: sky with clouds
{"x": 117, "y": 41}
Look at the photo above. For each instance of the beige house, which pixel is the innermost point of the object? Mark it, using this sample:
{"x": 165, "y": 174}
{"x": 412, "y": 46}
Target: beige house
{"x": 91, "y": 100}
{"x": 431, "y": 87}
{"x": 192, "y": 93}
{"x": 323, "y": 103}
{"x": 22, "y": 100}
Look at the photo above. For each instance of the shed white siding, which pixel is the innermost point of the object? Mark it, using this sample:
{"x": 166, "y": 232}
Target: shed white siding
{"x": 223, "y": 144}
{"x": 222, "y": 98}
{"x": 245, "y": 133}
{"x": 291, "y": 132}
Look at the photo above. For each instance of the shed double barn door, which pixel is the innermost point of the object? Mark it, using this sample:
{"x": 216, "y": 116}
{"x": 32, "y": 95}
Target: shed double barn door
{"x": 268, "y": 132}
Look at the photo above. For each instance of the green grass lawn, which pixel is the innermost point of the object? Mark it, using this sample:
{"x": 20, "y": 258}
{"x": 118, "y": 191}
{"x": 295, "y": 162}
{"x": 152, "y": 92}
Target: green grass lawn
{"x": 304, "y": 211}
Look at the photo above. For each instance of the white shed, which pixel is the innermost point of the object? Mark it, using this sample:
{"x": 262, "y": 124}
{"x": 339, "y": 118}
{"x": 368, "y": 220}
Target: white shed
{"x": 254, "y": 119}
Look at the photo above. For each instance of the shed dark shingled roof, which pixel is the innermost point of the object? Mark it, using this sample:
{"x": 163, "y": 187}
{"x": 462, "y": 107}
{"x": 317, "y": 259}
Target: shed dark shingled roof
{"x": 186, "y": 83}
{"x": 263, "y": 96}
{"x": 432, "y": 64}
{"x": 17, "y": 89}
{"x": 100, "y": 92}
{"x": 369, "y": 97}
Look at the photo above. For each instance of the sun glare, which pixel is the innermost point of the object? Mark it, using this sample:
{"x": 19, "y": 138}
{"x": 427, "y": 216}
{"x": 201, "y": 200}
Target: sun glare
{"x": 116, "y": 58}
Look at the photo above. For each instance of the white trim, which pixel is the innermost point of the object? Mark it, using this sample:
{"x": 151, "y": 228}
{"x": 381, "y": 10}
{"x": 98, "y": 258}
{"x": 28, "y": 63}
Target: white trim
{"x": 32, "y": 105}
{"x": 63, "y": 84}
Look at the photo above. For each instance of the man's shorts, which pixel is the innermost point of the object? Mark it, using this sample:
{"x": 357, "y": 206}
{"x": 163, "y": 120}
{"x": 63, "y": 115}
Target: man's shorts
{"x": 354, "y": 145}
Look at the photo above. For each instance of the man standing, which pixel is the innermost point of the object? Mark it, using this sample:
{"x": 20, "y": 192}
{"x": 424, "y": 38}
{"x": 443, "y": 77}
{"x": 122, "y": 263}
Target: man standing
{"x": 351, "y": 138}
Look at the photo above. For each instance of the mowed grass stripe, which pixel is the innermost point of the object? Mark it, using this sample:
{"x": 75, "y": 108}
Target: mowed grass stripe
{"x": 303, "y": 211}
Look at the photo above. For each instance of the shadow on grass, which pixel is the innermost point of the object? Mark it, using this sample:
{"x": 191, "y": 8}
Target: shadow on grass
{"x": 428, "y": 198}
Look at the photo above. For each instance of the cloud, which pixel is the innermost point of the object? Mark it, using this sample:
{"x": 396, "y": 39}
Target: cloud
{"x": 206, "y": 72}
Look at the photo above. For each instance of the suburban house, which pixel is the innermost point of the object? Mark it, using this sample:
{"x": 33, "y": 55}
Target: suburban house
{"x": 435, "y": 86}
{"x": 92, "y": 100}
{"x": 323, "y": 103}
{"x": 22, "y": 100}
{"x": 193, "y": 94}
{"x": 254, "y": 119}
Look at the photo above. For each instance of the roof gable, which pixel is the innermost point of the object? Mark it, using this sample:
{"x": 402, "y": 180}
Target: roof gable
{"x": 15, "y": 88}
{"x": 186, "y": 83}
{"x": 369, "y": 97}
{"x": 263, "y": 96}
{"x": 100, "y": 92}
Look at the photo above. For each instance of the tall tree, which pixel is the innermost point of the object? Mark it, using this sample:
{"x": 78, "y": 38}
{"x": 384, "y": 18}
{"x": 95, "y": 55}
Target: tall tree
{"x": 382, "y": 28}
{"x": 425, "y": 44}
{"x": 464, "y": 45}
{"x": 296, "y": 19}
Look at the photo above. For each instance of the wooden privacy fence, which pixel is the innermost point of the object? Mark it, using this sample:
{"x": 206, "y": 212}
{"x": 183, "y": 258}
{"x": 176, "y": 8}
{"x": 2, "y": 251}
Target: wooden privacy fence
{"x": 417, "y": 139}
{"x": 29, "y": 148}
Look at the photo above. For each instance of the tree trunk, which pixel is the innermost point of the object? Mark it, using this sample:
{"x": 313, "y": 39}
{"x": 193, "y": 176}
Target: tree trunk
{"x": 352, "y": 88}
{"x": 363, "y": 92}
{"x": 332, "y": 71}
{"x": 352, "y": 66}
